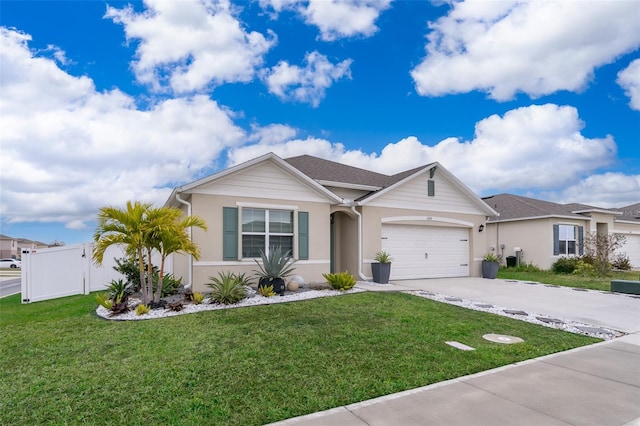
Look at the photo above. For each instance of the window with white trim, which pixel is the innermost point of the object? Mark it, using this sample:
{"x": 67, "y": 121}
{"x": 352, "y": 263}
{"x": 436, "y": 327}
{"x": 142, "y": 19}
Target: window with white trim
{"x": 567, "y": 239}
{"x": 264, "y": 228}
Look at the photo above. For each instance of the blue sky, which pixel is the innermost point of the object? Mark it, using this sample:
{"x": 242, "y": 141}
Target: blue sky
{"x": 104, "y": 102}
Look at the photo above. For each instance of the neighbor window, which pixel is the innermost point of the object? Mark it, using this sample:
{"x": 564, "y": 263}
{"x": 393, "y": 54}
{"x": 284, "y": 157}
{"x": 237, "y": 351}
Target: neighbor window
{"x": 263, "y": 228}
{"x": 567, "y": 240}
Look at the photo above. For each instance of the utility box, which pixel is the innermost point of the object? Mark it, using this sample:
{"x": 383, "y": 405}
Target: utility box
{"x": 511, "y": 261}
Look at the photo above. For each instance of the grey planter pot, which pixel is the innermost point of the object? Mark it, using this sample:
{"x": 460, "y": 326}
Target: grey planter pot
{"x": 490, "y": 269}
{"x": 381, "y": 272}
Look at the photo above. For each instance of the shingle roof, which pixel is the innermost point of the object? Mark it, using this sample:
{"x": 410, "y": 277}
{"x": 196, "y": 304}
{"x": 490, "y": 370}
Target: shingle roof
{"x": 324, "y": 170}
{"x": 631, "y": 212}
{"x": 518, "y": 207}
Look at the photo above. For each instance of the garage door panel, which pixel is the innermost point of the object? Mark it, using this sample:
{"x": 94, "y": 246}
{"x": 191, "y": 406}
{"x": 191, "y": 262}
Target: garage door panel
{"x": 427, "y": 251}
{"x": 631, "y": 248}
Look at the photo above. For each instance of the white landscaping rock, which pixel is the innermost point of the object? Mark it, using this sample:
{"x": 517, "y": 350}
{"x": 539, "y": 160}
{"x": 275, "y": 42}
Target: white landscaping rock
{"x": 190, "y": 308}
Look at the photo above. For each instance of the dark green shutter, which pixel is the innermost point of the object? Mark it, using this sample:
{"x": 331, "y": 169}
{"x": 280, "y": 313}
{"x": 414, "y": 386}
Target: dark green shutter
{"x": 303, "y": 235}
{"x": 580, "y": 240}
{"x": 556, "y": 240}
{"x": 431, "y": 188}
{"x": 229, "y": 233}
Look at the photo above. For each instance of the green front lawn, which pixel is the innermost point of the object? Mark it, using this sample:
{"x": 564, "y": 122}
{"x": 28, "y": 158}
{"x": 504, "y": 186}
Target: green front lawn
{"x": 61, "y": 364}
{"x": 568, "y": 280}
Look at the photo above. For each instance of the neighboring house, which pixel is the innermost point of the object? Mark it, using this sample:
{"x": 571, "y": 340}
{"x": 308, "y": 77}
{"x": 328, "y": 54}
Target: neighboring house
{"x": 542, "y": 231}
{"x": 8, "y": 247}
{"x": 333, "y": 217}
{"x": 12, "y": 247}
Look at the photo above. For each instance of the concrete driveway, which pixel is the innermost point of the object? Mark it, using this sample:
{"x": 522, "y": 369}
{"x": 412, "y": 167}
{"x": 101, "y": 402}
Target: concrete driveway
{"x": 612, "y": 310}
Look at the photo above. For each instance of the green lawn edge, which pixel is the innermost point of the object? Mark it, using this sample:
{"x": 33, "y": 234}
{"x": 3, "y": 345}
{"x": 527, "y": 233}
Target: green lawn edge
{"x": 62, "y": 364}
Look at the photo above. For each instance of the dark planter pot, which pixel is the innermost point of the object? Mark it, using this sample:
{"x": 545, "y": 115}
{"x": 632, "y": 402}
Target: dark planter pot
{"x": 278, "y": 285}
{"x": 490, "y": 269}
{"x": 264, "y": 282}
{"x": 381, "y": 272}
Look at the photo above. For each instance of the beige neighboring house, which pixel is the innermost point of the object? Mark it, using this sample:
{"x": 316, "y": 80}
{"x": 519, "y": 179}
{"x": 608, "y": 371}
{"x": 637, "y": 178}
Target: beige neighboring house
{"x": 12, "y": 247}
{"x": 333, "y": 217}
{"x": 542, "y": 231}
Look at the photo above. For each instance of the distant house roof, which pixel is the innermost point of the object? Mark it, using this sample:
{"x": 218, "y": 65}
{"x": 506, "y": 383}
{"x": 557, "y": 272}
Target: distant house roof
{"x": 630, "y": 213}
{"x": 516, "y": 207}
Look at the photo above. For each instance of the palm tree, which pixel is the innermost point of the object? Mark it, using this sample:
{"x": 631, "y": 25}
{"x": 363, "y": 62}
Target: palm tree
{"x": 168, "y": 234}
{"x": 126, "y": 227}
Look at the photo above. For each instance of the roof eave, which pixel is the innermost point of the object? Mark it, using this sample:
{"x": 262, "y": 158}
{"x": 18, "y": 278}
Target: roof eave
{"x": 266, "y": 157}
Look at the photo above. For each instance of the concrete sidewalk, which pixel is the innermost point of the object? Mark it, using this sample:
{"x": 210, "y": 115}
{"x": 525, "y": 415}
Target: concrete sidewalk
{"x": 593, "y": 385}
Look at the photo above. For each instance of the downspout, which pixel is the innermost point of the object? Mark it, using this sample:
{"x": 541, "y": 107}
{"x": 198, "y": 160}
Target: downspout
{"x": 360, "y": 260}
{"x": 190, "y": 272}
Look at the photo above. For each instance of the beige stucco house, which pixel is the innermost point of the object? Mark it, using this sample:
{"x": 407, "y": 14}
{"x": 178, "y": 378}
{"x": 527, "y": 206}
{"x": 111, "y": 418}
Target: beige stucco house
{"x": 540, "y": 232}
{"x": 333, "y": 217}
{"x": 12, "y": 247}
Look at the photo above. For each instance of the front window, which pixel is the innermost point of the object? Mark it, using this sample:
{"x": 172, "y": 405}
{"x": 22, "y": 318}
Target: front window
{"x": 567, "y": 239}
{"x": 263, "y": 228}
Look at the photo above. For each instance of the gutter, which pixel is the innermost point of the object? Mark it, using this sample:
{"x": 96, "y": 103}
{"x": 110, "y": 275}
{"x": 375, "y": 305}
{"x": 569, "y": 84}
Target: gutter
{"x": 190, "y": 273}
{"x": 360, "y": 273}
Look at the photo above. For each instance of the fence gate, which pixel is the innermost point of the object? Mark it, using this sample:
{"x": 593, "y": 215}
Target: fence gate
{"x": 67, "y": 270}
{"x": 53, "y": 272}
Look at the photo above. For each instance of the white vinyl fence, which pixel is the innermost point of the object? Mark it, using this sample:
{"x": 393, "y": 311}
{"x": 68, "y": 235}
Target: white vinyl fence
{"x": 67, "y": 270}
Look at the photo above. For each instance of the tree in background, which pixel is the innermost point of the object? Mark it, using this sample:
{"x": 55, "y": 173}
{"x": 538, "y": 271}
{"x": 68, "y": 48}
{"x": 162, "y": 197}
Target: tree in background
{"x": 599, "y": 248}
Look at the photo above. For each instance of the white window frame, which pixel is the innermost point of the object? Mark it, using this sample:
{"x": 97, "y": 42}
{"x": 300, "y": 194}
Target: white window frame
{"x": 566, "y": 241}
{"x": 267, "y": 208}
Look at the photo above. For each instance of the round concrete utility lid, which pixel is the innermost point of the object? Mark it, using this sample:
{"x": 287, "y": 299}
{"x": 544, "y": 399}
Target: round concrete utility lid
{"x": 501, "y": 338}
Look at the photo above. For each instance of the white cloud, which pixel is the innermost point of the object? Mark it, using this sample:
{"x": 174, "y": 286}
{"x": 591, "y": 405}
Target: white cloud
{"x": 335, "y": 19}
{"x": 529, "y": 148}
{"x": 191, "y": 44}
{"x": 308, "y": 84}
{"x": 602, "y": 190}
{"x": 629, "y": 80}
{"x": 535, "y": 47}
{"x": 272, "y": 133}
{"x": 68, "y": 150}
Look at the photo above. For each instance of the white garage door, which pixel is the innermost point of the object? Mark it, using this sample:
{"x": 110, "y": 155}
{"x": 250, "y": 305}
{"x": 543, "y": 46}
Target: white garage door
{"x": 426, "y": 251}
{"x": 632, "y": 249}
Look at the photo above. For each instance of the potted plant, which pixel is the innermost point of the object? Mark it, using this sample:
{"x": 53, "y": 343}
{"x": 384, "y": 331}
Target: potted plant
{"x": 275, "y": 267}
{"x": 490, "y": 264}
{"x": 381, "y": 268}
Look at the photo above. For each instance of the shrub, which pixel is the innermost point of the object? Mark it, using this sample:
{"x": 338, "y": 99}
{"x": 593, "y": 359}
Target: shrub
{"x": 119, "y": 290}
{"x": 170, "y": 284}
{"x": 128, "y": 266}
{"x": 383, "y": 257}
{"x": 565, "y": 265}
{"x": 227, "y": 288}
{"x": 621, "y": 261}
{"x": 340, "y": 281}
{"x": 266, "y": 290}
{"x": 276, "y": 264}
{"x": 119, "y": 308}
{"x": 490, "y": 257}
{"x": 525, "y": 267}
{"x": 585, "y": 269}
{"x": 104, "y": 301}
{"x": 176, "y": 306}
{"x": 142, "y": 309}
{"x": 197, "y": 298}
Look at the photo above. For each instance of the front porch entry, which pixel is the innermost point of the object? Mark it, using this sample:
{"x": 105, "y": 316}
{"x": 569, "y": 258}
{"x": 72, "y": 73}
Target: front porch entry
{"x": 344, "y": 242}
